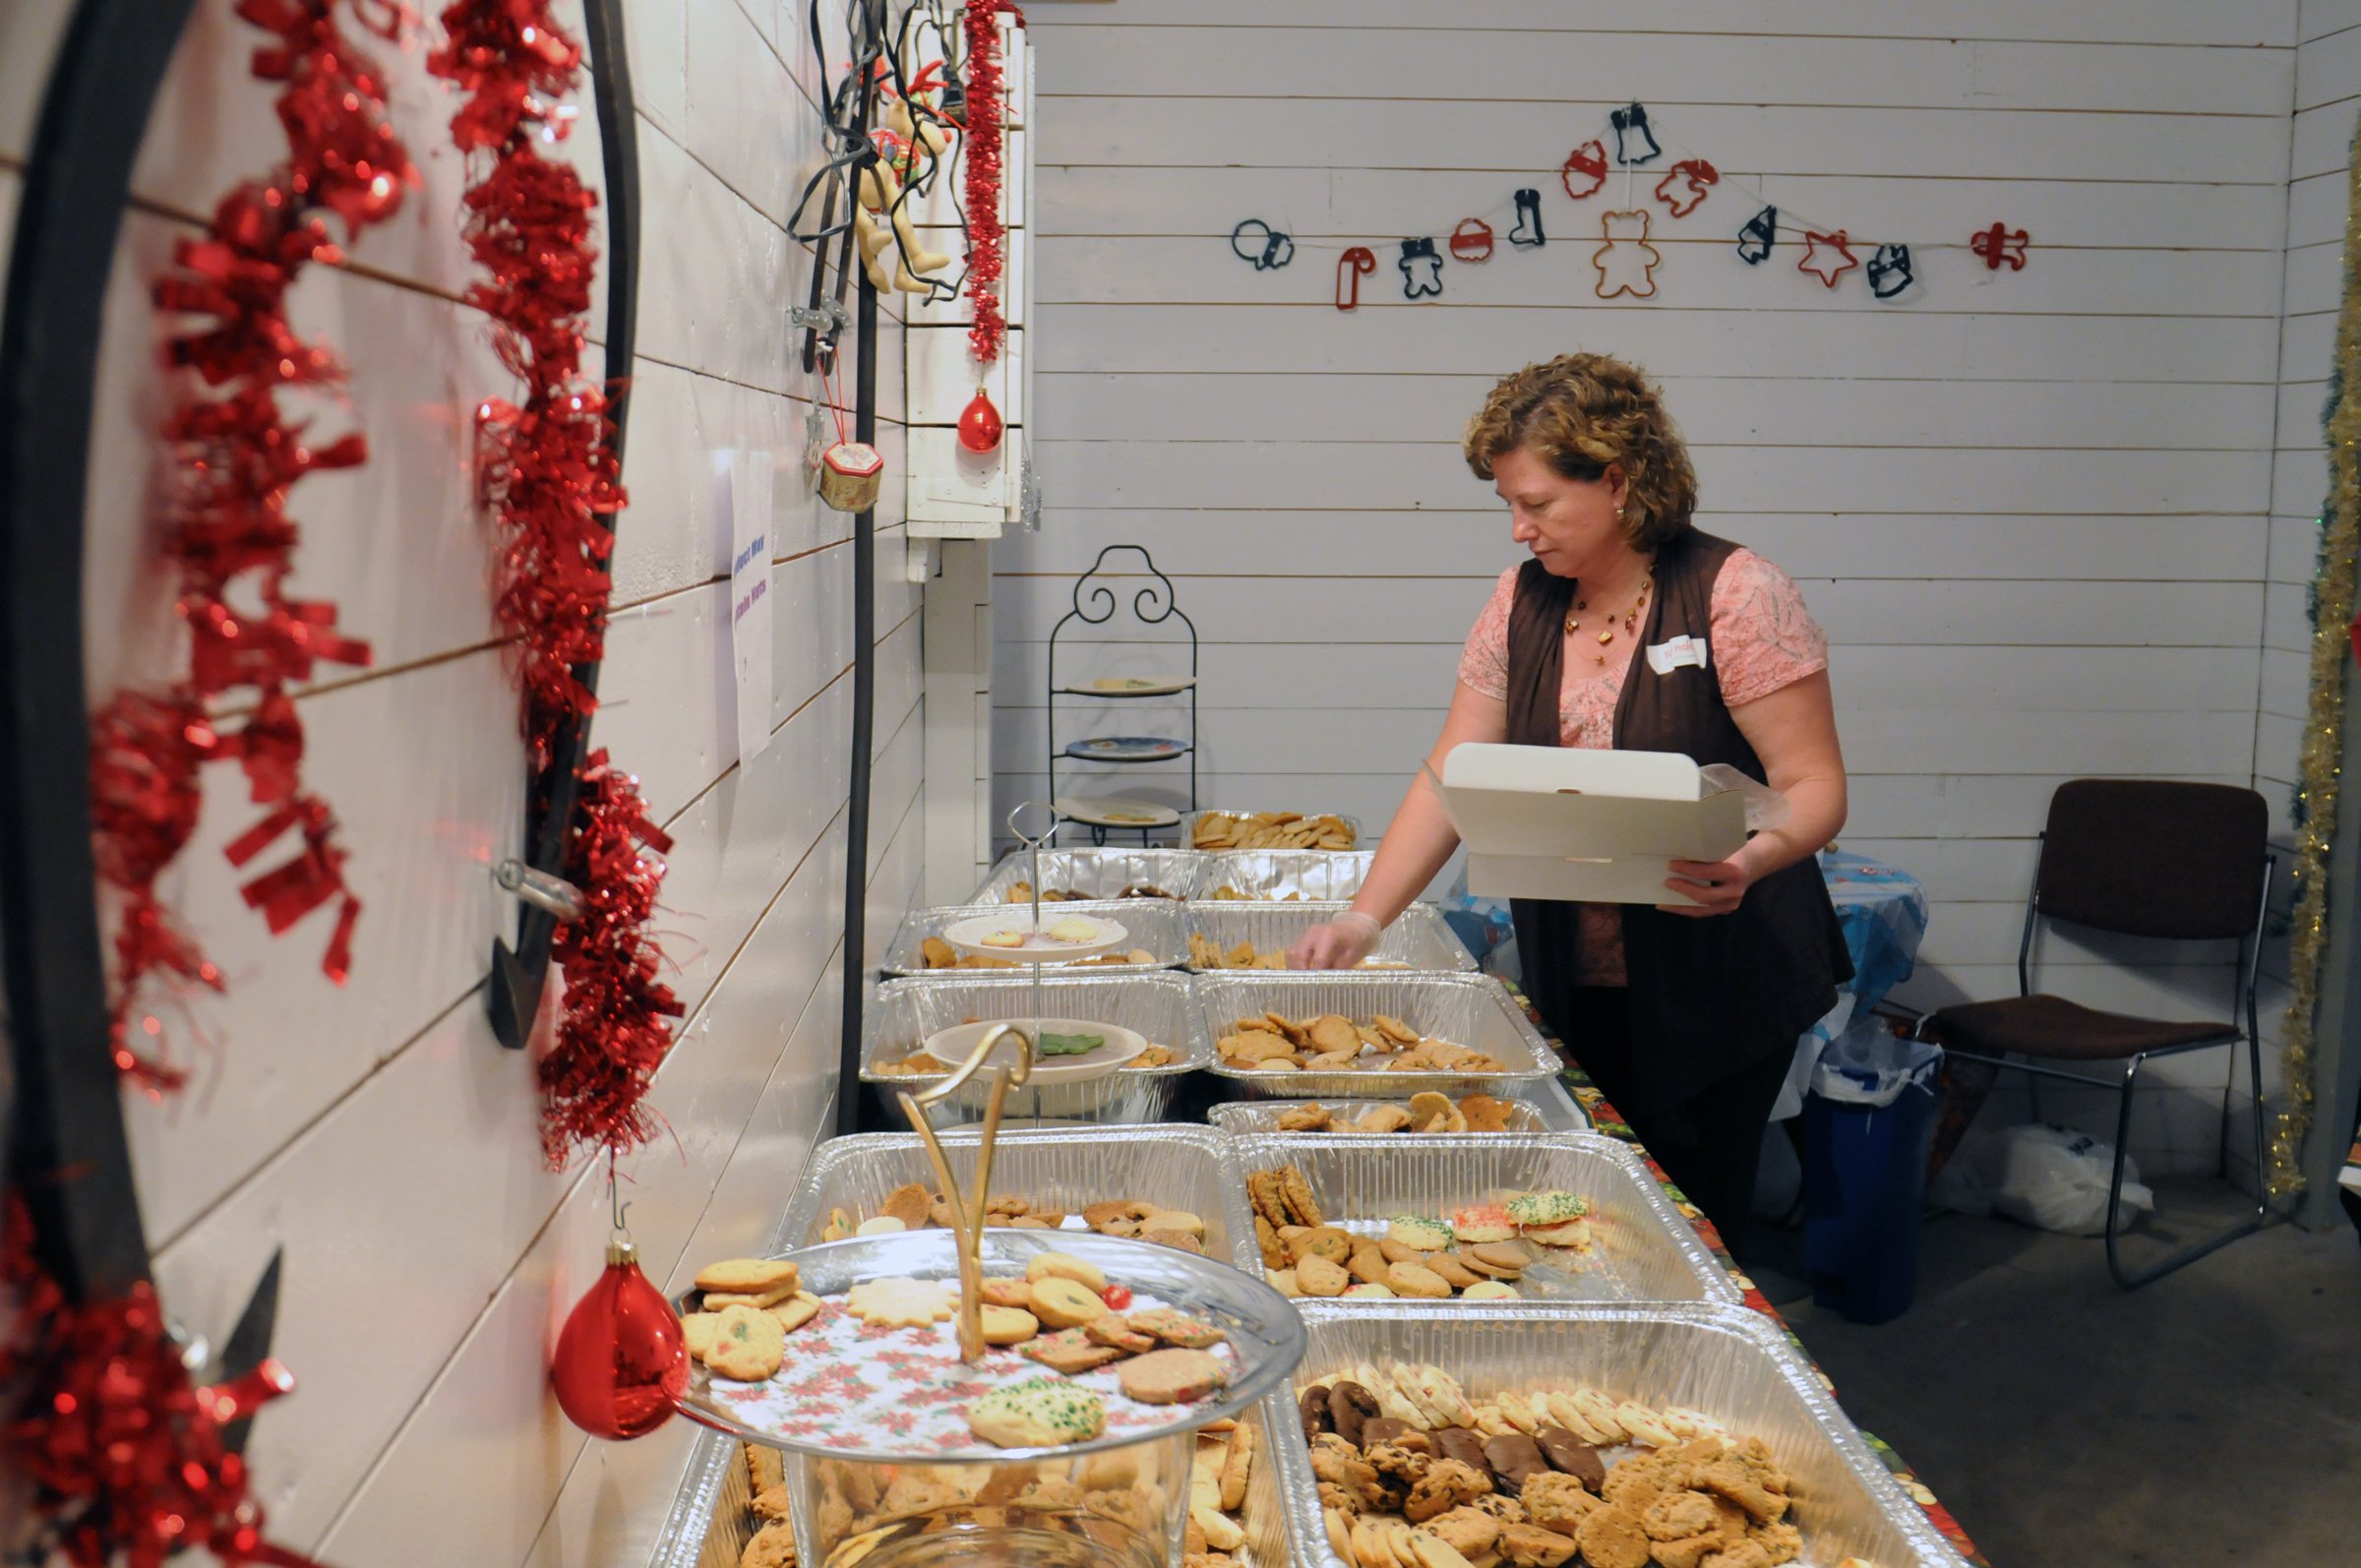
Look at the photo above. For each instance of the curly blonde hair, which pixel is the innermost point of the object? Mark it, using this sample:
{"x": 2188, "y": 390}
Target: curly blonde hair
{"x": 1579, "y": 412}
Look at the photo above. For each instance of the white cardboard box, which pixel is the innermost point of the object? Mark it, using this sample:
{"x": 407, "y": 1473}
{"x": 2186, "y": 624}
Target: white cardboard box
{"x": 1592, "y": 826}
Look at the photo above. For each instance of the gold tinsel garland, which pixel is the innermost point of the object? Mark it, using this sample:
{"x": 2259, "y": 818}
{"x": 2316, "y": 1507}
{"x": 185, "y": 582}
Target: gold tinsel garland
{"x": 2333, "y": 596}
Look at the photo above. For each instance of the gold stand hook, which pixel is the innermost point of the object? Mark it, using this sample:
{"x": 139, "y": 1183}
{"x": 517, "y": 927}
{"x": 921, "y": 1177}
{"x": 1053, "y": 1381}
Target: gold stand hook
{"x": 967, "y": 1211}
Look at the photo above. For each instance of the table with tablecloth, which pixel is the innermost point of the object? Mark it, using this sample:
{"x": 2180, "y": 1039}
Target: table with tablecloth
{"x": 1605, "y": 1118}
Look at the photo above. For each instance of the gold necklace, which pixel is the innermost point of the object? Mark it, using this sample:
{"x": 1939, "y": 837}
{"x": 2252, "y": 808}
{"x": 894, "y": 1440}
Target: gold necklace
{"x": 1628, "y": 621}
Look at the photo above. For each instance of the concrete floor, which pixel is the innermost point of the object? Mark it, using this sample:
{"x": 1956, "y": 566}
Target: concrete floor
{"x": 2214, "y": 1416}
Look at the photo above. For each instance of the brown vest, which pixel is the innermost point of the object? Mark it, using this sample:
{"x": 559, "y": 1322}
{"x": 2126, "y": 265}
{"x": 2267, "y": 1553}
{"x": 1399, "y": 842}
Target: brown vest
{"x": 1712, "y": 996}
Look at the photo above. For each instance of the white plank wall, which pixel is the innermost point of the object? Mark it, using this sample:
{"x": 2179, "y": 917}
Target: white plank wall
{"x": 2033, "y": 510}
{"x": 376, "y": 1131}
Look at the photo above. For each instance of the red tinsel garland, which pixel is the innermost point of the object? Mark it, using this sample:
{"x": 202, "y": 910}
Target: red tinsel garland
{"x": 225, "y": 524}
{"x": 124, "y": 1451}
{"x": 983, "y": 85}
{"x": 550, "y": 479}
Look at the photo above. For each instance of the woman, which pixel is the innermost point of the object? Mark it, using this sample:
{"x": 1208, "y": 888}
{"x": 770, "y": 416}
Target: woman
{"x": 1686, "y": 1014}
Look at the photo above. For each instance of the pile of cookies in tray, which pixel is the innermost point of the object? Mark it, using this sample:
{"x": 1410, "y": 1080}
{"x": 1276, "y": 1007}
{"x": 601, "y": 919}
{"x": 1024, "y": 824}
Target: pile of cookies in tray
{"x": 922, "y": 1065}
{"x": 1479, "y": 1255}
{"x": 1022, "y": 892}
{"x": 857, "y": 1504}
{"x": 1413, "y": 1472}
{"x": 1334, "y": 1043}
{"x": 1229, "y": 895}
{"x": 1219, "y": 830}
{"x": 1426, "y": 1111}
{"x": 939, "y": 955}
{"x": 912, "y": 1207}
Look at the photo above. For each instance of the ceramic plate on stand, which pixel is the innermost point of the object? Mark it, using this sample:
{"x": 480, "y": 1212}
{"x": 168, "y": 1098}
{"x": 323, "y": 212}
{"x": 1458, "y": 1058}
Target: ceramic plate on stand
{"x": 1118, "y": 814}
{"x": 1037, "y": 947}
{"x": 1117, "y": 1045}
{"x": 1135, "y": 686}
{"x": 1126, "y": 748}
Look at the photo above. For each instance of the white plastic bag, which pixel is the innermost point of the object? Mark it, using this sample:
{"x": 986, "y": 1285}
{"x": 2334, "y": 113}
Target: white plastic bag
{"x": 1869, "y": 1065}
{"x": 2039, "y": 1175}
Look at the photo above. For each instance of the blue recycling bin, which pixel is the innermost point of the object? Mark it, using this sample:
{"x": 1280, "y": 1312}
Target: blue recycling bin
{"x": 1865, "y": 1181}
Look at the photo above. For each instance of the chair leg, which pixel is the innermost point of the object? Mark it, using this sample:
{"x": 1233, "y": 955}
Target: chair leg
{"x": 2123, "y": 1142}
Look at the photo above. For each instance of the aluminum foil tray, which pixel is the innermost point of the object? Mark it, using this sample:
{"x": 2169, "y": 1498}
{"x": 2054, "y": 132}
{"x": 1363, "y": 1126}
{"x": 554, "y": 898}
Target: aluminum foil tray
{"x": 1189, "y": 822}
{"x": 1181, "y": 1168}
{"x": 1270, "y": 875}
{"x": 1472, "y": 1010}
{"x": 1149, "y": 923}
{"x": 1419, "y": 940}
{"x": 1160, "y": 1005}
{"x": 1262, "y": 1115}
{"x": 1731, "y": 1364}
{"x": 1642, "y": 1250}
{"x": 1098, "y": 872}
{"x": 710, "y": 1521}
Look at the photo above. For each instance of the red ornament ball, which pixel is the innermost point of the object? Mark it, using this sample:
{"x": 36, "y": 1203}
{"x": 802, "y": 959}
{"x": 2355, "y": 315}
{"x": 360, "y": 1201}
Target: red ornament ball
{"x": 621, "y": 1358}
{"x": 1472, "y": 241}
{"x": 980, "y": 424}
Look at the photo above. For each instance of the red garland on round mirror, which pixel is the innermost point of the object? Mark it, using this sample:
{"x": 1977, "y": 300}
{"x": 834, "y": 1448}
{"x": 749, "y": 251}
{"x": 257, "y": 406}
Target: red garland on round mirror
{"x": 227, "y": 533}
{"x": 130, "y": 1460}
{"x": 552, "y": 480}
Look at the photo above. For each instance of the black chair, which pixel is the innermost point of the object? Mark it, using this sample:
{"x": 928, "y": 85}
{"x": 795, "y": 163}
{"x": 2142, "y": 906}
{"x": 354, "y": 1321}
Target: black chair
{"x": 2138, "y": 858}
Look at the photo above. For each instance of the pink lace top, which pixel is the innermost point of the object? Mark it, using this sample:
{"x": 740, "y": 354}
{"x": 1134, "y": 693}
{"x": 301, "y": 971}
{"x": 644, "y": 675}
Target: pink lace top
{"x": 1762, "y": 639}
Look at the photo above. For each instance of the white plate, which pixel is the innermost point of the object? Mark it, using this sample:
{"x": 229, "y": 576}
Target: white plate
{"x": 968, "y": 936}
{"x": 1103, "y": 814}
{"x": 1136, "y": 685}
{"x": 953, "y": 1043}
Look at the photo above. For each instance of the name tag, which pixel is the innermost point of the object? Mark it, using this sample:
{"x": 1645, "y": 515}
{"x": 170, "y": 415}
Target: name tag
{"x": 1665, "y": 657}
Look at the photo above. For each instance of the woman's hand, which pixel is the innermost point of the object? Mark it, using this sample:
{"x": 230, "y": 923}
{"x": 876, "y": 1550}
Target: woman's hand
{"x": 1341, "y": 944}
{"x": 1717, "y": 886}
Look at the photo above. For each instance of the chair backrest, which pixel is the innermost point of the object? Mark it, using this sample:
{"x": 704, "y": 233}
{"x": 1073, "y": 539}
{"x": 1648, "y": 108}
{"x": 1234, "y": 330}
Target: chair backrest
{"x": 2149, "y": 858}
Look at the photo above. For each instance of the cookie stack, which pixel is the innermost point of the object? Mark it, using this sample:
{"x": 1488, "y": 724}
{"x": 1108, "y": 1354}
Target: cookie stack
{"x": 749, "y": 1305}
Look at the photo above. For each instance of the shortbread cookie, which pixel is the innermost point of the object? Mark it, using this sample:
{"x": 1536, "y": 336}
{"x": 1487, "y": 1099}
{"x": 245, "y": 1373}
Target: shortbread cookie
{"x": 880, "y": 1224}
{"x": 1490, "y": 1291}
{"x": 1369, "y": 1290}
{"x": 750, "y": 1276}
{"x": 1060, "y": 1303}
{"x": 1009, "y": 1325}
{"x": 1065, "y": 1266}
{"x": 1318, "y": 1276}
{"x": 1008, "y": 1292}
{"x": 797, "y": 1310}
{"x": 715, "y": 1300}
{"x": 1171, "y": 1376}
{"x": 1177, "y": 1328}
{"x": 1039, "y": 1412}
{"x": 1114, "y": 1331}
{"x": 699, "y": 1329}
{"x": 1411, "y": 1279}
{"x": 900, "y": 1303}
{"x": 748, "y": 1344}
{"x": 1069, "y": 1351}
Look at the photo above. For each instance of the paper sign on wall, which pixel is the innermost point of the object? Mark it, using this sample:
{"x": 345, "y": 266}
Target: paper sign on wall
{"x": 743, "y": 485}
